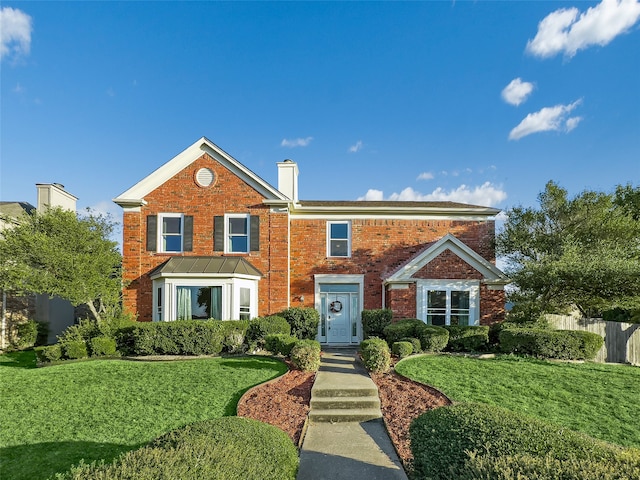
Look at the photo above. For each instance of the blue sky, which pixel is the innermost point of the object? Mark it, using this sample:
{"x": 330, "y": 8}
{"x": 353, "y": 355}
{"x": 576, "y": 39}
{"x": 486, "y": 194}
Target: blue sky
{"x": 480, "y": 102}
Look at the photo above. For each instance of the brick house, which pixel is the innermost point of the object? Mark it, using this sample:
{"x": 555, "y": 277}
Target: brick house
{"x": 205, "y": 237}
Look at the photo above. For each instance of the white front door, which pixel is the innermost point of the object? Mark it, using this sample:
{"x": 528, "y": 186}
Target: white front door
{"x": 338, "y": 318}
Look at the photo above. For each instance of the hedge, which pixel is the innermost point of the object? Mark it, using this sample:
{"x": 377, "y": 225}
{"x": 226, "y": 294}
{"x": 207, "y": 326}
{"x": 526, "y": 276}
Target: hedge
{"x": 441, "y": 437}
{"x": 228, "y": 448}
{"x": 432, "y": 338}
{"x": 305, "y": 355}
{"x": 102, "y": 346}
{"x": 401, "y": 329}
{"x": 26, "y": 335}
{"x": 280, "y": 343}
{"x": 375, "y": 354}
{"x": 303, "y": 321}
{"x": 415, "y": 343}
{"x": 75, "y": 349}
{"x": 260, "y": 327}
{"x": 402, "y": 349}
{"x": 561, "y": 344}
{"x": 374, "y": 321}
{"x": 467, "y": 338}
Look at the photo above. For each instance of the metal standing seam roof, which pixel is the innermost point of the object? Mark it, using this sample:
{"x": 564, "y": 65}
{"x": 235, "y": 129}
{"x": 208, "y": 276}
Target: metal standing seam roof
{"x": 206, "y": 265}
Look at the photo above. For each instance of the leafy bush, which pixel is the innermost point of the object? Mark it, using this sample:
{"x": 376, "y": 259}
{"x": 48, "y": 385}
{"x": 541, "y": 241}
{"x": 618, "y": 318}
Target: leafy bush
{"x": 26, "y": 335}
{"x": 234, "y": 342}
{"x": 562, "y": 344}
{"x": 375, "y": 354}
{"x": 624, "y": 466}
{"x": 303, "y": 320}
{"x": 401, "y": 329}
{"x": 84, "y": 330}
{"x": 467, "y": 338}
{"x": 441, "y": 437}
{"x": 432, "y": 338}
{"x": 49, "y": 353}
{"x": 415, "y": 343}
{"x": 102, "y": 346}
{"x": 43, "y": 333}
{"x": 74, "y": 349}
{"x": 280, "y": 344}
{"x": 374, "y": 321}
{"x": 402, "y": 349}
{"x": 305, "y": 355}
{"x": 232, "y": 448}
{"x": 260, "y": 327}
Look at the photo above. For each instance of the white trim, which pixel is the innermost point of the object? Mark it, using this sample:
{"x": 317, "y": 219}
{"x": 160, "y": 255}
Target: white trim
{"x": 324, "y": 279}
{"x": 134, "y": 196}
{"x": 489, "y": 271}
{"x": 471, "y": 286}
{"x": 385, "y": 215}
{"x": 160, "y": 232}
{"x": 247, "y": 219}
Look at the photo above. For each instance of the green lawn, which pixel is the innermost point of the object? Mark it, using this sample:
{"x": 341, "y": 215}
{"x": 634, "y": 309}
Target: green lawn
{"x": 52, "y": 417}
{"x": 600, "y": 400}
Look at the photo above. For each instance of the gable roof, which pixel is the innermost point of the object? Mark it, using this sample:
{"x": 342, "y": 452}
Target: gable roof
{"x": 205, "y": 266}
{"x": 134, "y": 196}
{"x": 491, "y": 273}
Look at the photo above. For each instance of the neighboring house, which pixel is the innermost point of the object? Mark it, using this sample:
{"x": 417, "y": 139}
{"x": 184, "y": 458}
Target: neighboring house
{"x": 58, "y": 314}
{"x": 205, "y": 237}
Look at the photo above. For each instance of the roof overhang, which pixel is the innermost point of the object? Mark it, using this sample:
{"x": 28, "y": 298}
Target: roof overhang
{"x": 206, "y": 267}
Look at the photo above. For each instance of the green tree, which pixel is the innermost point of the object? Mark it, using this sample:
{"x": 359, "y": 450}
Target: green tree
{"x": 59, "y": 253}
{"x": 582, "y": 251}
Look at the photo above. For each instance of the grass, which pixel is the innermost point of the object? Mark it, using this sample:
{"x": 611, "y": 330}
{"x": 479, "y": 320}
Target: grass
{"x": 52, "y": 417}
{"x": 597, "y": 399}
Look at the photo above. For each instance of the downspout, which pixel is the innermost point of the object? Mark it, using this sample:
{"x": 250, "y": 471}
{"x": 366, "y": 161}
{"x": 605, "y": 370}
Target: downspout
{"x": 384, "y": 299}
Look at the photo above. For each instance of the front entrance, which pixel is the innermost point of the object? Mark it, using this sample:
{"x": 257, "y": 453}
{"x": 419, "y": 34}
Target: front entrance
{"x": 338, "y": 302}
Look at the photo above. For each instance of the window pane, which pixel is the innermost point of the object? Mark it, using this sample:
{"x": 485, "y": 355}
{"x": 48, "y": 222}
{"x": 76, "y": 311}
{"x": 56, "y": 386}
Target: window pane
{"x": 238, "y": 226}
{"x": 245, "y": 304}
{"x": 339, "y": 230}
{"x": 437, "y": 299}
{"x": 171, "y": 225}
{"x": 459, "y": 300}
{"x": 238, "y": 244}
{"x": 216, "y": 303}
{"x": 171, "y": 243}
{"x": 438, "y": 319}
{"x": 339, "y": 248}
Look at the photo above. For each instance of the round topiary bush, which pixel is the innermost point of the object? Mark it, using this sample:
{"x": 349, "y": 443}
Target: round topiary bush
{"x": 305, "y": 355}
{"x": 374, "y": 322}
{"x": 74, "y": 349}
{"x": 402, "y": 349}
{"x": 401, "y": 329}
{"x": 432, "y": 338}
{"x": 375, "y": 354}
{"x": 417, "y": 347}
{"x": 303, "y": 321}
{"x": 232, "y": 448}
{"x": 260, "y": 327}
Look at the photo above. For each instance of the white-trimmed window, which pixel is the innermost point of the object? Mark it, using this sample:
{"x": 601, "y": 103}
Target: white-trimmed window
{"x": 171, "y": 230}
{"x": 444, "y": 302}
{"x": 339, "y": 239}
{"x": 237, "y": 233}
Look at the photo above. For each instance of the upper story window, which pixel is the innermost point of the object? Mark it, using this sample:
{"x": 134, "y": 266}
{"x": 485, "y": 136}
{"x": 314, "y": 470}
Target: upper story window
{"x": 170, "y": 233}
{"x": 237, "y": 235}
{"x": 339, "y": 239}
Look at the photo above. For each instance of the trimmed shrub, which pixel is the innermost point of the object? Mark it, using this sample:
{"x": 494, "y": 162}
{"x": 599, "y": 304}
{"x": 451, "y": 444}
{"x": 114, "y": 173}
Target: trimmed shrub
{"x": 280, "y": 344}
{"x": 374, "y": 321}
{"x": 625, "y": 466}
{"x": 208, "y": 450}
{"x": 74, "y": 349}
{"x": 415, "y": 343}
{"x": 432, "y": 338}
{"x": 303, "y": 321}
{"x": 26, "y": 334}
{"x": 234, "y": 342}
{"x": 402, "y": 349}
{"x": 102, "y": 346}
{"x": 305, "y": 355}
{"x": 467, "y": 338}
{"x": 260, "y": 327}
{"x": 401, "y": 329}
{"x": 375, "y": 355}
{"x": 441, "y": 437}
{"x": 49, "y": 353}
{"x": 84, "y": 330}
{"x": 561, "y": 344}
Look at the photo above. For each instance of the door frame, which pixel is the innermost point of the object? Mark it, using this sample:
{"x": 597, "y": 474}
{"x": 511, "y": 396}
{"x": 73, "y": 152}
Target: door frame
{"x": 328, "y": 279}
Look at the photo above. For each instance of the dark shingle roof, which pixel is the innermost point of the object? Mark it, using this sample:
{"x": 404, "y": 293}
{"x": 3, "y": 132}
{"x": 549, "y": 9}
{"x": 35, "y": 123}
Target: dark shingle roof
{"x": 207, "y": 265}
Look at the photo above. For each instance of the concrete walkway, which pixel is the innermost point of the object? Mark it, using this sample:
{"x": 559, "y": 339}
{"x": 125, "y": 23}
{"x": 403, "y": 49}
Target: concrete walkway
{"x": 346, "y": 438}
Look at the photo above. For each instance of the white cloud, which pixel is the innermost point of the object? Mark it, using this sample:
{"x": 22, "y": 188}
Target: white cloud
{"x": 517, "y": 91}
{"x": 486, "y": 194}
{"x": 425, "y": 176}
{"x": 565, "y": 31}
{"x": 296, "y": 142}
{"x": 15, "y": 32}
{"x": 356, "y": 147}
{"x": 549, "y": 118}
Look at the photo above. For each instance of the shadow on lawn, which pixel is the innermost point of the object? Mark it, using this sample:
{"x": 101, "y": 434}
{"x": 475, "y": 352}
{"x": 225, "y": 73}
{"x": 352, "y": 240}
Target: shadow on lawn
{"x": 43, "y": 460}
{"x": 23, "y": 359}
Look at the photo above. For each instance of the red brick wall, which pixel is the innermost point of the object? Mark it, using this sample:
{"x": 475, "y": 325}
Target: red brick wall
{"x": 181, "y": 194}
{"x": 379, "y": 248}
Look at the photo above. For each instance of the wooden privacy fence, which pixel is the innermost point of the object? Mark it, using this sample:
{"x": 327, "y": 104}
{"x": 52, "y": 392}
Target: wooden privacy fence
{"x": 621, "y": 340}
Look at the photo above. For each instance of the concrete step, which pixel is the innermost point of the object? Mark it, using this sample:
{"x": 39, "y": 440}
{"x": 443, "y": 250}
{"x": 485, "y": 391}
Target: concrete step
{"x": 344, "y": 403}
{"x": 367, "y": 390}
{"x": 343, "y": 416}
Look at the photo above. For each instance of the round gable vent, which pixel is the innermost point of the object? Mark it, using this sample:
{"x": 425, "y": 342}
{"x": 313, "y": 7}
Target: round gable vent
{"x": 205, "y": 177}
